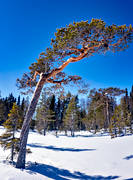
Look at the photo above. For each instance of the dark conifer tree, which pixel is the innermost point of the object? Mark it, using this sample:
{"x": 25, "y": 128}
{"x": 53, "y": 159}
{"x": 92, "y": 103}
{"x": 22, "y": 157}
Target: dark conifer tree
{"x": 81, "y": 115}
{"x": 18, "y": 101}
{"x": 126, "y": 114}
{"x": 52, "y": 113}
{"x": 58, "y": 114}
{"x": 2, "y": 111}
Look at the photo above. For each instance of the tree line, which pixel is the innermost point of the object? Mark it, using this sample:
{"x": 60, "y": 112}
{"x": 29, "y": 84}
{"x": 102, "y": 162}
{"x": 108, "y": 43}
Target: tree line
{"x": 6, "y": 105}
{"x": 99, "y": 111}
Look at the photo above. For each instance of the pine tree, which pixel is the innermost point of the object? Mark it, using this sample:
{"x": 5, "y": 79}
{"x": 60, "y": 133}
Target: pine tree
{"x": 12, "y": 124}
{"x": 101, "y": 104}
{"x": 71, "y": 44}
{"x": 95, "y": 119}
{"x": 45, "y": 113}
{"x": 116, "y": 124}
{"x": 42, "y": 121}
{"x": 70, "y": 120}
{"x": 108, "y": 98}
{"x": 126, "y": 114}
{"x": 42, "y": 114}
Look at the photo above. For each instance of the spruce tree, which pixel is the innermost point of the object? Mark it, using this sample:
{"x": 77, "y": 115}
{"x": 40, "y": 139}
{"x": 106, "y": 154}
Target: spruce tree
{"x": 81, "y": 114}
{"x": 59, "y": 115}
{"x": 126, "y": 114}
{"x": 12, "y": 124}
{"x": 52, "y": 113}
{"x": 117, "y": 124}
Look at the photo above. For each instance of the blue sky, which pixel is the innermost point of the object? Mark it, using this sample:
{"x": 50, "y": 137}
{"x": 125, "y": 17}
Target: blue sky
{"x": 28, "y": 25}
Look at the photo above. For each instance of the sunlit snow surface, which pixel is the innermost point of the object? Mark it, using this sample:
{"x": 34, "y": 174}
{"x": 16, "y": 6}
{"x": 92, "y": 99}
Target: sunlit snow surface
{"x": 83, "y": 157}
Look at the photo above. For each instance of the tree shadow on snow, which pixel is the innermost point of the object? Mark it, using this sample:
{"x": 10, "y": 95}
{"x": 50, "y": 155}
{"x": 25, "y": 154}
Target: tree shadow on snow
{"x": 58, "y": 149}
{"x": 129, "y": 157}
{"x": 62, "y": 174}
{"x": 92, "y": 135}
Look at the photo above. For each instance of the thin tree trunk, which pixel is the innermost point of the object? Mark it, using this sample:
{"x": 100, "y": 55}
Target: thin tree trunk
{"x": 65, "y": 132}
{"x": 44, "y": 131}
{"x": 25, "y": 128}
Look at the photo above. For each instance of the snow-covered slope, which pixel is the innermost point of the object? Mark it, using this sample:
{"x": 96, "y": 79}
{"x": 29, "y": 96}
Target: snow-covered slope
{"x": 83, "y": 157}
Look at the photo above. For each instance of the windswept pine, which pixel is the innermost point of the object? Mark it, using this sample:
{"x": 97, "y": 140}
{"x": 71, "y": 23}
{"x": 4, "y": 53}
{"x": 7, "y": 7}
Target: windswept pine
{"x": 71, "y": 44}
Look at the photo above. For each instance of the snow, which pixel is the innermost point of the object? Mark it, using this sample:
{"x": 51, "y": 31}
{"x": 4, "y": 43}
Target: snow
{"x": 83, "y": 157}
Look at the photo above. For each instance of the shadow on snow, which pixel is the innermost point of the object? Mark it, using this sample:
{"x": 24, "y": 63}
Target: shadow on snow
{"x": 62, "y": 174}
{"x": 86, "y": 136}
{"x": 59, "y": 149}
{"x": 129, "y": 157}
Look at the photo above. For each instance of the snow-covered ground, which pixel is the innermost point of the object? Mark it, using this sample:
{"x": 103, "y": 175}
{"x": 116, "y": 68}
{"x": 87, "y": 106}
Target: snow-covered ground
{"x": 83, "y": 157}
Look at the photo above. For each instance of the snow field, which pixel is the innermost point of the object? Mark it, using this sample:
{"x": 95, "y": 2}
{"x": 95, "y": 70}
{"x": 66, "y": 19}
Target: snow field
{"x": 85, "y": 156}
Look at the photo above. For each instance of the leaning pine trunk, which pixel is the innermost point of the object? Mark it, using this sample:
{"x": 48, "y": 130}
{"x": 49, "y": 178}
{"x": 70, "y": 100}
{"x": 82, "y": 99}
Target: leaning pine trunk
{"x": 12, "y": 150}
{"x": 25, "y": 128}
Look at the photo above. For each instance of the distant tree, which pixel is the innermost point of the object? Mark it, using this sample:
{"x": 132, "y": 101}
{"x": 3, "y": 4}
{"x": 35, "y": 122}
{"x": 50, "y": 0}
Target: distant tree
{"x": 42, "y": 114}
{"x": 10, "y": 100}
{"x": 70, "y": 120}
{"x": 52, "y": 113}
{"x": 8, "y": 103}
{"x": 81, "y": 115}
{"x": 108, "y": 98}
{"x": 59, "y": 114}
{"x": 71, "y": 44}
{"x": 126, "y": 113}
{"x": 2, "y": 111}
{"x": 18, "y": 101}
{"x": 101, "y": 108}
{"x": 94, "y": 111}
{"x": 117, "y": 123}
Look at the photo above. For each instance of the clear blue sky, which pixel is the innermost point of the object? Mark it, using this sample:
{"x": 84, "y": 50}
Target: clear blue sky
{"x": 26, "y": 27}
